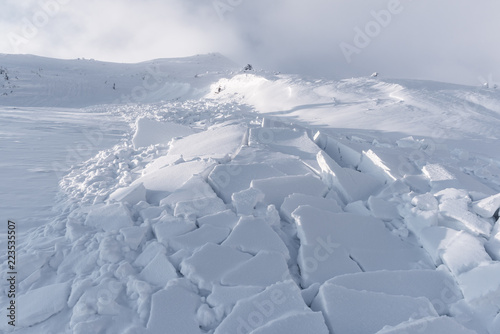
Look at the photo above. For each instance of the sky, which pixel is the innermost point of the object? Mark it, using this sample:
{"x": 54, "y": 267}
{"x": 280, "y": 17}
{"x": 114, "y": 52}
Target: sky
{"x": 443, "y": 40}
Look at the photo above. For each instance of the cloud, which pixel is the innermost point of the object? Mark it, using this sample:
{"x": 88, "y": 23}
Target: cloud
{"x": 447, "y": 40}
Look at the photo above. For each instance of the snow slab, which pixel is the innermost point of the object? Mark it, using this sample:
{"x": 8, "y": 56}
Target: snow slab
{"x": 174, "y": 310}
{"x": 321, "y": 261}
{"x": 280, "y": 299}
{"x": 436, "y": 285}
{"x": 435, "y": 239}
{"x": 418, "y": 220}
{"x": 131, "y": 194}
{"x": 151, "y": 132}
{"x": 264, "y": 269}
{"x": 199, "y": 237}
{"x": 425, "y": 202}
{"x": 482, "y": 284}
{"x": 210, "y": 263}
{"x": 487, "y": 207}
{"x": 246, "y": 201}
{"x": 193, "y": 189}
{"x": 299, "y": 323}
{"x": 223, "y": 298}
{"x": 382, "y": 209}
{"x": 429, "y": 325}
{"x": 344, "y": 155}
{"x": 295, "y": 200}
{"x": 226, "y": 218}
{"x": 231, "y": 178}
{"x": 199, "y": 207}
{"x": 355, "y": 312}
{"x": 159, "y": 271}
{"x": 493, "y": 245}
{"x": 289, "y": 141}
{"x": 109, "y": 217}
{"x": 169, "y": 227}
{"x": 275, "y": 189}
{"x": 358, "y": 208}
{"x": 133, "y": 236}
{"x": 381, "y": 164}
{"x": 215, "y": 143}
{"x": 40, "y": 304}
{"x": 350, "y": 184}
{"x": 252, "y": 235}
{"x": 469, "y": 221}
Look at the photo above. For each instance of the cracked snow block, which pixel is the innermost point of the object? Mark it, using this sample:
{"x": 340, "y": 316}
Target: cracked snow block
{"x": 382, "y": 209}
{"x": 169, "y": 227}
{"x": 199, "y": 207}
{"x": 288, "y": 141}
{"x": 348, "y": 311}
{"x": 425, "y": 202}
{"x": 159, "y": 271}
{"x": 223, "y": 298}
{"x": 295, "y": 200}
{"x": 468, "y": 221}
{"x": 493, "y": 245}
{"x": 383, "y": 165}
{"x": 174, "y": 310}
{"x": 150, "y": 132}
{"x": 437, "y": 286}
{"x": 264, "y": 269}
{"x": 487, "y": 207}
{"x": 109, "y": 217}
{"x": 40, "y": 304}
{"x": 321, "y": 261}
{"x": 366, "y": 239}
{"x": 148, "y": 253}
{"x": 285, "y": 163}
{"x": 210, "y": 263}
{"x": 252, "y": 235}
{"x": 193, "y": 189}
{"x": 199, "y": 237}
{"x": 350, "y": 184}
{"x": 463, "y": 252}
{"x": 275, "y": 189}
{"x": 418, "y": 220}
{"x": 217, "y": 142}
{"x": 435, "y": 239}
{"x": 133, "y": 236}
{"x": 232, "y": 178}
{"x": 249, "y": 314}
{"x": 300, "y": 322}
{"x": 344, "y": 155}
{"x": 131, "y": 194}
{"x": 441, "y": 177}
{"x": 358, "y": 208}
{"x": 226, "y": 218}
{"x": 429, "y": 325}
{"x": 246, "y": 200}
{"x": 481, "y": 285}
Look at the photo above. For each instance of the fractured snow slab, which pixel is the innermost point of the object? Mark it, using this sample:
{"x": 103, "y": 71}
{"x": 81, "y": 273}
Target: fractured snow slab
{"x": 487, "y": 207}
{"x": 344, "y": 155}
{"x": 429, "y": 325}
{"x": 436, "y": 285}
{"x": 40, "y": 304}
{"x": 383, "y": 209}
{"x": 493, "y": 245}
{"x": 132, "y": 194}
{"x": 170, "y": 227}
{"x": 350, "y": 311}
{"x": 295, "y": 200}
{"x": 173, "y": 310}
{"x": 210, "y": 263}
{"x": 350, "y": 184}
{"x": 425, "y": 202}
{"x": 231, "y": 178}
{"x": 252, "y": 235}
{"x": 110, "y": 217}
{"x": 275, "y": 189}
{"x": 151, "y": 132}
{"x": 193, "y": 189}
{"x": 226, "y": 218}
{"x": 159, "y": 271}
{"x": 224, "y": 298}
{"x": 199, "y": 207}
{"x": 276, "y": 301}
{"x": 288, "y": 141}
{"x": 469, "y": 221}
{"x": 216, "y": 143}
{"x": 482, "y": 284}
{"x": 264, "y": 269}
{"x": 301, "y": 322}
{"x": 199, "y": 237}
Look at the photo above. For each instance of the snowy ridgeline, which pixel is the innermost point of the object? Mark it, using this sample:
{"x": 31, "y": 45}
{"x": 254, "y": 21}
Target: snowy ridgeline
{"x": 263, "y": 228}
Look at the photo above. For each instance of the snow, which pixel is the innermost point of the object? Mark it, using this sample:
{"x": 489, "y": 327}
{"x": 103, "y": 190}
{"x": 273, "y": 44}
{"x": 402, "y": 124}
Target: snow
{"x": 342, "y": 309}
{"x": 151, "y": 132}
{"x": 276, "y": 204}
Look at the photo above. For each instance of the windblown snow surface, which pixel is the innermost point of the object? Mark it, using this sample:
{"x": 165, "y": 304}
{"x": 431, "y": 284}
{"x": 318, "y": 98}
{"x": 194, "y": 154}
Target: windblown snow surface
{"x": 253, "y": 202}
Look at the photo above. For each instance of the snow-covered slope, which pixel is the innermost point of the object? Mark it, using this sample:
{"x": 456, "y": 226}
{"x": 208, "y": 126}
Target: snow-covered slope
{"x": 262, "y": 203}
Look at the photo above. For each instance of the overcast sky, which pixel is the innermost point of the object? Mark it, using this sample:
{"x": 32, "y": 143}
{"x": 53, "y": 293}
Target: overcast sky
{"x": 446, "y": 40}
